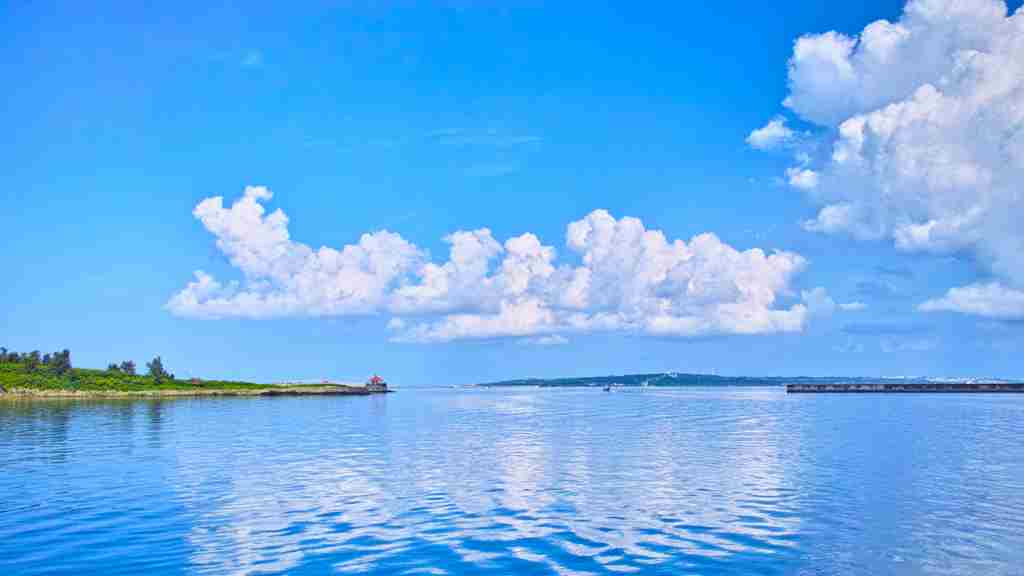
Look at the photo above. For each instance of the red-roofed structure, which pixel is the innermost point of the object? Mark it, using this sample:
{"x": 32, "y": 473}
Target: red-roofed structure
{"x": 376, "y": 384}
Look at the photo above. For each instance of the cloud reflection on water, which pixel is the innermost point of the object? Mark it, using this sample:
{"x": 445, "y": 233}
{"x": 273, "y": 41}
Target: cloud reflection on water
{"x": 711, "y": 481}
{"x": 564, "y": 479}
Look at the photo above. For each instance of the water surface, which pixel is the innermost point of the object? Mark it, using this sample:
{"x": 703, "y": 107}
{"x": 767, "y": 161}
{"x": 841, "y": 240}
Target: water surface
{"x": 527, "y": 481}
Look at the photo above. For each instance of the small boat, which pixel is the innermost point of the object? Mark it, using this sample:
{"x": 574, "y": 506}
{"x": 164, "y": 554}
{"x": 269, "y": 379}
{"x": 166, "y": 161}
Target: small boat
{"x": 608, "y": 388}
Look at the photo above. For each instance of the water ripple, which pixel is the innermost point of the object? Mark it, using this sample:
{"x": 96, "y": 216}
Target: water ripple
{"x": 569, "y": 482}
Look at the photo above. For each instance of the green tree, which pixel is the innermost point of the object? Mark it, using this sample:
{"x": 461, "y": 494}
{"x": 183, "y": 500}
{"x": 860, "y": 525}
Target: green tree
{"x": 46, "y": 359}
{"x": 113, "y": 367}
{"x": 157, "y": 371}
{"x": 128, "y": 367}
{"x": 32, "y": 361}
{"x": 62, "y": 361}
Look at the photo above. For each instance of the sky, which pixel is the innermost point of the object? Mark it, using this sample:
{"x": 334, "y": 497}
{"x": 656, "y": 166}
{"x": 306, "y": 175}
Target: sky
{"x": 461, "y": 192}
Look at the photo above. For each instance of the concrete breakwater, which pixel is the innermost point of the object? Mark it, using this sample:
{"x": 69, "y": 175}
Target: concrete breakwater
{"x": 909, "y": 387}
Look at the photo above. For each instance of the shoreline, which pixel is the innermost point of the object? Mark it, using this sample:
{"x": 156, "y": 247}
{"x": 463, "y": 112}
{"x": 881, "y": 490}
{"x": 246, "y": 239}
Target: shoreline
{"x": 269, "y": 391}
{"x": 23, "y": 380}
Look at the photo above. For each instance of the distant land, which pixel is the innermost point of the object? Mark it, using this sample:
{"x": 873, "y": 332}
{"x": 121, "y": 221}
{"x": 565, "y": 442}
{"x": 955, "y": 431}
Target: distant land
{"x": 18, "y": 382}
{"x": 34, "y": 374}
{"x": 676, "y": 379}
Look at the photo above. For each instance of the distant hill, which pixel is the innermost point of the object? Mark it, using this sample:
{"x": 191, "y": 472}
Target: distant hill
{"x": 668, "y": 379}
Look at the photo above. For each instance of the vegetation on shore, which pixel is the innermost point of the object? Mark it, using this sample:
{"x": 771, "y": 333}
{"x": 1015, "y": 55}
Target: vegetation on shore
{"x": 35, "y": 374}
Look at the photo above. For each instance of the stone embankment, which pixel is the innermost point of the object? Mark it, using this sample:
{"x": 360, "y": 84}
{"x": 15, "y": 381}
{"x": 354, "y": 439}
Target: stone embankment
{"x": 897, "y": 387}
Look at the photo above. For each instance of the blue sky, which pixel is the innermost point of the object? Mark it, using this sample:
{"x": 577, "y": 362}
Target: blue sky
{"x": 424, "y": 121}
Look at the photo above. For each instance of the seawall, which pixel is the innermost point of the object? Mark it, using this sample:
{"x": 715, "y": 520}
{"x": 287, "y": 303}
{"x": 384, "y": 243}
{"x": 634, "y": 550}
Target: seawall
{"x": 917, "y": 387}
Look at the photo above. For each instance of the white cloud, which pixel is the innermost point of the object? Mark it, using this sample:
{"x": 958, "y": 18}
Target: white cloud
{"x": 771, "y": 135}
{"x": 991, "y": 300}
{"x": 818, "y": 302}
{"x": 627, "y": 278}
{"x": 924, "y": 118}
{"x": 552, "y": 340}
{"x": 460, "y": 283}
{"x": 802, "y": 178}
{"x": 286, "y": 278}
{"x": 832, "y": 219}
{"x": 631, "y": 279}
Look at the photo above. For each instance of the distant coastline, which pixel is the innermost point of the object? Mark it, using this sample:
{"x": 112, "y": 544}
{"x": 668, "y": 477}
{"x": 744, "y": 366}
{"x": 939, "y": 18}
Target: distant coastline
{"x": 191, "y": 391}
{"x": 676, "y": 379}
{"x": 29, "y": 376}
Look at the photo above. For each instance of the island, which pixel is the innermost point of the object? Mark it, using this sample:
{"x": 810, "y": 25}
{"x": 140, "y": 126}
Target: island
{"x": 35, "y": 375}
{"x": 792, "y": 384}
{"x": 657, "y": 379}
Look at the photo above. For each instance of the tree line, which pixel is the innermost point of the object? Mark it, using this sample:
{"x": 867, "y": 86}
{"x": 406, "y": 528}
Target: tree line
{"x": 60, "y": 363}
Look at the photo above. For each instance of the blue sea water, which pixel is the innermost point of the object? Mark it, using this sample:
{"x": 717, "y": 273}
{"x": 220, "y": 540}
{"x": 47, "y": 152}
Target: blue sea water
{"x": 516, "y": 481}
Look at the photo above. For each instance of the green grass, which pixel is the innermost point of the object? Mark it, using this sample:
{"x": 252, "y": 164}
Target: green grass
{"x": 17, "y": 376}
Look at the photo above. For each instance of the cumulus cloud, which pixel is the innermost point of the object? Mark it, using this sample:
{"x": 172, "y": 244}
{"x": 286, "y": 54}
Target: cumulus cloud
{"x": 286, "y": 278}
{"x": 771, "y": 135}
{"x": 831, "y": 219}
{"x": 631, "y": 279}
{"x": 924, "y": 118}
{"x": 991, "y": 300}
{"x": 802, "y": 178}
{"x": 619, "y": 276}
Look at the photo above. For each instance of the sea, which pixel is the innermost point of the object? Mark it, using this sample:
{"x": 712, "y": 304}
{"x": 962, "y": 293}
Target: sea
{"x": 524, "y": 480}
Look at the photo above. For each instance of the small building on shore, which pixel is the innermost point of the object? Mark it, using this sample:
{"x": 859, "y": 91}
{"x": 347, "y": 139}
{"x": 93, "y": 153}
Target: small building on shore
{"x": 376, "y": 384}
